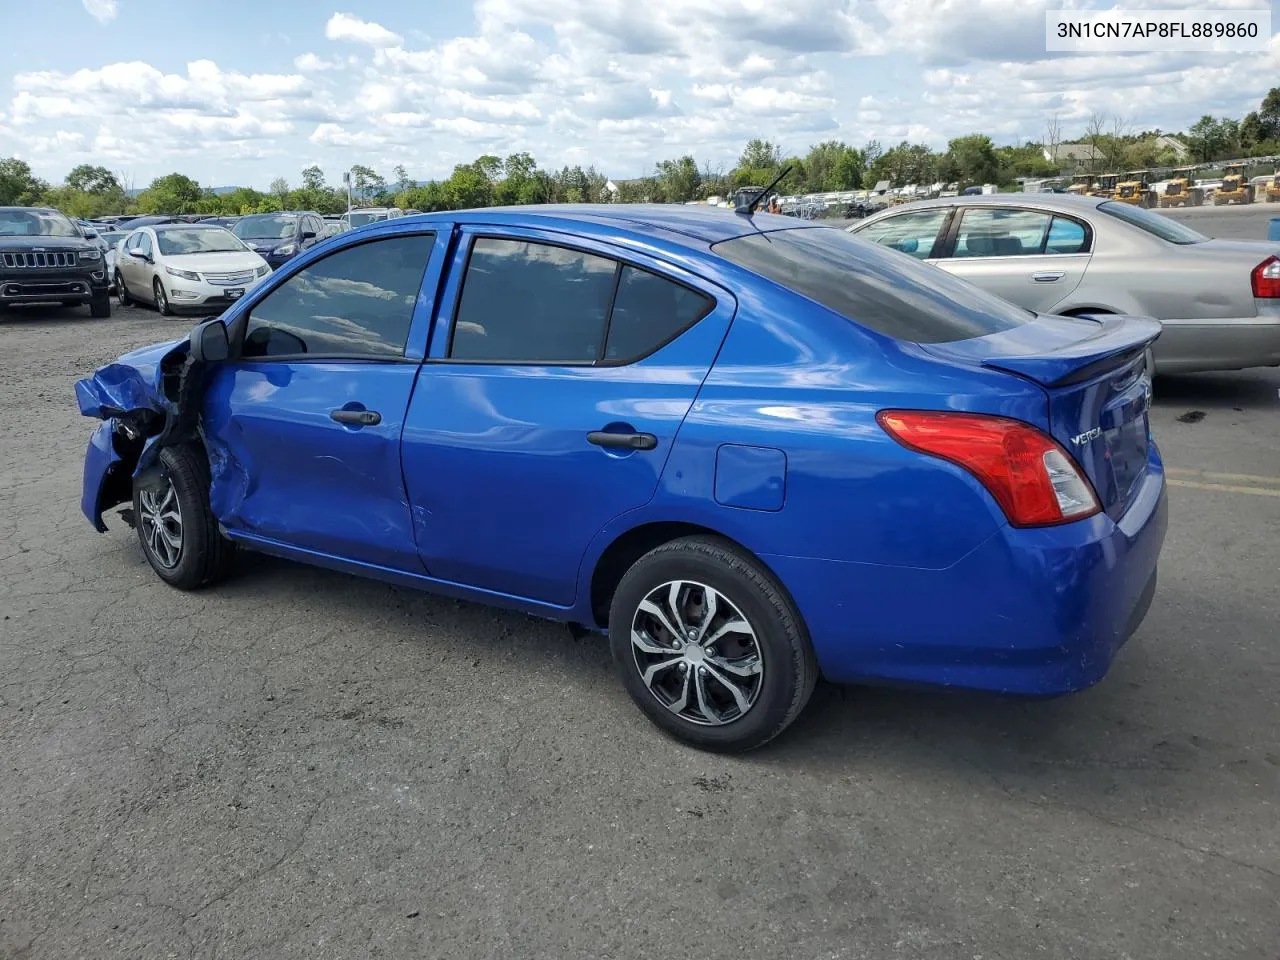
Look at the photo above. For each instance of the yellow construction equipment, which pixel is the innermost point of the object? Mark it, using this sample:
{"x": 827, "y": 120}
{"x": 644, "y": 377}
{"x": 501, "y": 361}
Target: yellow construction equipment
{"x": 1273, "y": 188}
{"x": 1135, "y": 188}
{"x": 1081, "y": 185}
{"x": 1181, "y": 190}
{"x": 1236, "y": 187}
{"x": 1105, "y": 186}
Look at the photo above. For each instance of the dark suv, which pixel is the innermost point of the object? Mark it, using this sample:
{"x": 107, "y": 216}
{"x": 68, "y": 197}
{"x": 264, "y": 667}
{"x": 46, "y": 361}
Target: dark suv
{"x": 44, "y": 258}
{"x": 278, "y": 236}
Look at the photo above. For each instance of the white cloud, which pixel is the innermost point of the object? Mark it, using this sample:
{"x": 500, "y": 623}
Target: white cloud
{"x": 104, "y": 11}
{"x": 311, "y": 63}
{"x": 343, "y": 26}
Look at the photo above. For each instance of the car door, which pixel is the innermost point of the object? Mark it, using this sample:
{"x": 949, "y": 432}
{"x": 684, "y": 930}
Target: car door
{"x": 916, "y": 232}
{"x": 1034, "y": 258}
{"x": 557, "y": 380}
{"x": 304, "y": 424}
{"x": 144, "y": 265}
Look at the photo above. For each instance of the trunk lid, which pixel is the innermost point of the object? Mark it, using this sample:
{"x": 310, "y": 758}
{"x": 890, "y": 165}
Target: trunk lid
{"x": 1094, "y": 373}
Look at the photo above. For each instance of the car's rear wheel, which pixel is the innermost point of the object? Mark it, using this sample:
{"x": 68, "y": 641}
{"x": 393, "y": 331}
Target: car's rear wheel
{"x": 709, "y": 646}
{"x": 175, "y": 525}
{"x": 122, "y": 292}
{"x": 161, "y": 298}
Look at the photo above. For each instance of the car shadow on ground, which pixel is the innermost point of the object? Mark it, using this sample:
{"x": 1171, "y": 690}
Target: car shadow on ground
{"x": 1235, "y": 389}
{"x": 1100, "y": 746}
{"x": 34, "y": 315}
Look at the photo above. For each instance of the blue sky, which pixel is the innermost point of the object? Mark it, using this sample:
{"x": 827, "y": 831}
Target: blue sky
{"x": 239, "y": 92}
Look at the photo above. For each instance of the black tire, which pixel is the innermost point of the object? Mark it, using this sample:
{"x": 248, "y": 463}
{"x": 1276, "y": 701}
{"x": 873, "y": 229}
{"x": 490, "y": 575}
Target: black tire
{"x": 789, "y": 668}
{"x": 161, "y": 298}
{"x": 203, "y": 556}
{"x": 100, "y": 307}
{"x": 122, "y": 292}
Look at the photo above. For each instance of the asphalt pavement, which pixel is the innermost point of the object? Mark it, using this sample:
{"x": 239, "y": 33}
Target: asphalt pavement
{"x": 299, "y": 764}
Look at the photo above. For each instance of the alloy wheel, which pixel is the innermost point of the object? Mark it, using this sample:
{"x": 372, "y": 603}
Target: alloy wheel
{"x": 696, "y": 653}
{"x": 161, "y": 519}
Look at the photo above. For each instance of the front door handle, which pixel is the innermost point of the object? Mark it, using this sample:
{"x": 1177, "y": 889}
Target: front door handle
{"x": 362, "y": 418}
{"x": 1047, "y": 277}
{"x": 624, "y": 441}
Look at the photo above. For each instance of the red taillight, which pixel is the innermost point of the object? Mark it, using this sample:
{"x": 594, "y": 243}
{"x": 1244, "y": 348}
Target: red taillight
{"x": 1033, "y": 479}
{"x": 1266, "y": 279}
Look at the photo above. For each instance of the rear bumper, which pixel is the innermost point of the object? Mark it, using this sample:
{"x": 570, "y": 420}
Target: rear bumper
{"x": 1030, "y": 612}
{"x": 1227, "y": 343}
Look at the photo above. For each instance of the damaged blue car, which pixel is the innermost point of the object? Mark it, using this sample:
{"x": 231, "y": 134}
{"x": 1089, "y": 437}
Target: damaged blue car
{"x": 752, "y": 450}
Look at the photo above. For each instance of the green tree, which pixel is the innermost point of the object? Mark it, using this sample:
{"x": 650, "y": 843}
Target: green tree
{"x": 93, "y": 179}
{"x": 1269, "y": 115}
{"x": 832, "y": 165}
{"x": 468, "y": 187}
{"x": 975, "y": 158}
{"x": 679, "y": 180}
{"x": 18, "y": 185}
{"x": 313, "y": 178}
{"x": 403, "y": 181}
{"x": 1209, "y": 139}
{"x": 279, "y": 190}
{"x": 173, "y": 193}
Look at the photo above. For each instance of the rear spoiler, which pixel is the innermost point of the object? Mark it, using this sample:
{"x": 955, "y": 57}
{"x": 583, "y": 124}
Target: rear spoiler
{"x": 1118, "y": 340}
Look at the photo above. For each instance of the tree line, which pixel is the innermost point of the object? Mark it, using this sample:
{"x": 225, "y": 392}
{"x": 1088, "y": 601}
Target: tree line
{"x": 91, "y": 191}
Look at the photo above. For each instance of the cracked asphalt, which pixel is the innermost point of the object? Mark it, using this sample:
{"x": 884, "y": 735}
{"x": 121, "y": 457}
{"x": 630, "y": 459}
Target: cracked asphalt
{"x": 299, "y": 764}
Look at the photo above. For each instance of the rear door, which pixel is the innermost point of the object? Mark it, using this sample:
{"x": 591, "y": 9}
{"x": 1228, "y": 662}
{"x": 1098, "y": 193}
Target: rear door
{"x": 559, "y": 373}
{"x": 1033, "y": 258}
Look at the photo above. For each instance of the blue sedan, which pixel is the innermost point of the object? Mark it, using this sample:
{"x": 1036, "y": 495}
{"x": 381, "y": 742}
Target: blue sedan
{"x": 752, "y": 450}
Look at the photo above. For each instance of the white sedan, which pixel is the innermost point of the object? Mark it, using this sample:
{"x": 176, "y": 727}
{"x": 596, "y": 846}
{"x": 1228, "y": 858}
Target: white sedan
{"x": 184, "y": 266}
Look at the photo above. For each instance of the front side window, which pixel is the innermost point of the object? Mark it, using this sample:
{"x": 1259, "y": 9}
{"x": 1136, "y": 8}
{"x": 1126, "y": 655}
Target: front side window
{"x": 913, "y": 233}
{"x": 144, "y": 244}
{"x": 357, "y": 302}
{"x": 532, "y": 303}
{"x": 872, "y": 286}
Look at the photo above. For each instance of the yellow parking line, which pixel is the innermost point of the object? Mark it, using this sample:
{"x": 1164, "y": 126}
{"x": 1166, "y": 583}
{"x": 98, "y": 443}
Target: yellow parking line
{"x": 1223, "y": 487}
{"x": 1221, "y": 477}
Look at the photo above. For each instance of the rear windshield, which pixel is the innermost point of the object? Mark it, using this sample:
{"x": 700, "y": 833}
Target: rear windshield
{"x": 1154, "y": 223}
{"x": 882, "y": 289}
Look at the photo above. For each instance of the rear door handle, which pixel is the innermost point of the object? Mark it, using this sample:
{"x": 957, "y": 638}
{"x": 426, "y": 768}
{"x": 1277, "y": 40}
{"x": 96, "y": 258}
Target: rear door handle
{"x": 625, "y": 441}
{"x": 363, "y": 418}
{"x": 1047, "y": 277}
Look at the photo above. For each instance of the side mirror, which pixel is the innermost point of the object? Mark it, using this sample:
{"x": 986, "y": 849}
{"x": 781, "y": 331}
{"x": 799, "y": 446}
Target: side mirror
{"x": 209, "y": 342}
{"x": 308, "y": 234}
{"x": 91, "y": 235}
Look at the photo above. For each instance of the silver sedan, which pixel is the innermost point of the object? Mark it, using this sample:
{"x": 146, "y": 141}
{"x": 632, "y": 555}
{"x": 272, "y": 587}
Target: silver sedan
{"x": 1219, "y": 300}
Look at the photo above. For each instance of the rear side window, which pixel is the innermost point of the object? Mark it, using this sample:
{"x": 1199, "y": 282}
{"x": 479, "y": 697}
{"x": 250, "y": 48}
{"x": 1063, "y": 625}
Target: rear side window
{"x": 530, "y": 302}
{"x": 647, "y": 312}
{"x": 998, "y": 232}
{"x": 877, "y": 288}
{"x": 357, "y": 302}
{"x": 1153, "y": 223}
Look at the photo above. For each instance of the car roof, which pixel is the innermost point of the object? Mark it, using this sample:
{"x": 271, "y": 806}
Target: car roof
{"x": 168, "y": 227}
{"x": 1064, "y": 202}
{"x": 691, "y": 221}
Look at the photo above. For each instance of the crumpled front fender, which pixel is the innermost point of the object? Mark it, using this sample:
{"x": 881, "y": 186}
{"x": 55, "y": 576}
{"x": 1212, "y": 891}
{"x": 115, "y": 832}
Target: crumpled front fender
{"x": 141, "y": 410}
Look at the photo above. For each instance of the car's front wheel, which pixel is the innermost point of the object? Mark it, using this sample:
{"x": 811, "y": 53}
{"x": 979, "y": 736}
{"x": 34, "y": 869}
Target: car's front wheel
{"x": 709, "y": 646}
{"x": 100, "y": 307}
{"x": 161, "y": 298}
{"x": 175, "y": 525}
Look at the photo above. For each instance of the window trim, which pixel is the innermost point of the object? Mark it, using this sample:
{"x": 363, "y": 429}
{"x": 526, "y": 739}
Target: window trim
{"x": 953, "y": 232}
{"x": 243, "y": 319}
{"x": 619, "y": 260}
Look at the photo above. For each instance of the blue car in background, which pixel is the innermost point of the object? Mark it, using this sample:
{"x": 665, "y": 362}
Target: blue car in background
{"x": 751, "y": 449}
{"x": 278, "y": 237}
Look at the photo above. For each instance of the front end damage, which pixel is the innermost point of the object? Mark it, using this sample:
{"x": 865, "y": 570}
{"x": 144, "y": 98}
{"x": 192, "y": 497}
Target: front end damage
{"x": 146, "y": 400}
